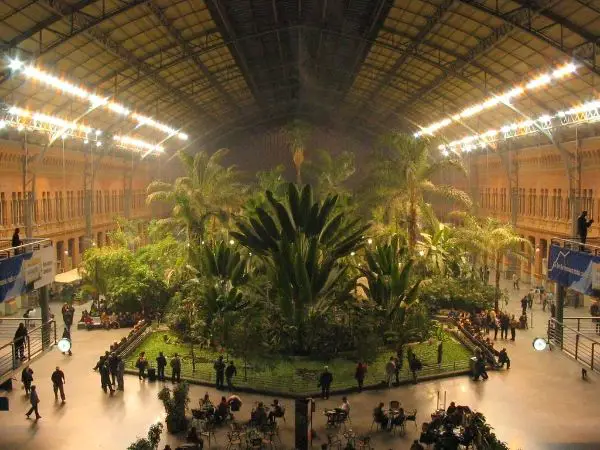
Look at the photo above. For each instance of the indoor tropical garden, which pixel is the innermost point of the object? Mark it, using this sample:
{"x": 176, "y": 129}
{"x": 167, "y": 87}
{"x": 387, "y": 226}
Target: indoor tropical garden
{"x": 323, "y": 263}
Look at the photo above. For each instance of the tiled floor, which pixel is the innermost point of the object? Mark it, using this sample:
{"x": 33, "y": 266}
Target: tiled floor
{"x": 541, "y": 403}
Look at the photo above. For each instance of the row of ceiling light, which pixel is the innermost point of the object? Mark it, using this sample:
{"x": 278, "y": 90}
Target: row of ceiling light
{"x": 35, "y": 73}
{"x": 586, "y": 112}
{"x": 23, "y": 119}
{"x": 543, "y": 80}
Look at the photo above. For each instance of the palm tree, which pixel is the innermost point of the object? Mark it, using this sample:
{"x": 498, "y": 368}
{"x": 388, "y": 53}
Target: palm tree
{"x": 400, "y": 178}
{"x": 494, "y": 240}
{"x": 209, "y": 189}
{"x": 298, "y": 133}
{"x": 302, "y": 243}
{"x": 329, "y": 172}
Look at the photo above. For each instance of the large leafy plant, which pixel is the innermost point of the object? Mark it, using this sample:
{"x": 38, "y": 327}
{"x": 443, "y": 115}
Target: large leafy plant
{"x": 389, "y": 284}
{"x": 301, "y": 242}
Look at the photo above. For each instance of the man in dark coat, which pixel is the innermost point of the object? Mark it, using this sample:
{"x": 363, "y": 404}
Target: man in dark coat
{"x": 161, "y": 363}
{"x": 176, "y": 369}
{"x": 27, "y": 379}
{"x": 113, "y": 367}
{"x": 325, "y": 381}
{"x": 582, "y": 226}
{"x": 19, "y": 341}
{"x": 58, "y": 381}
{"x": 105, "y": 377}
{"x": 219, "y": 367}
{"x": 230, "y": 372}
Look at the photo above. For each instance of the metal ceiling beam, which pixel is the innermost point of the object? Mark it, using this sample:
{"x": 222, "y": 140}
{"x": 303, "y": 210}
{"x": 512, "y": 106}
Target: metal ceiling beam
{"x": 522, "y": 19}
{"x": 432, "y": 22}
{"x": 80, "y": 23}
{"x": 129, "y": 58}
{"x": 456, "y": 68}
{"x": 59, "y": 15}
{"x": 238, "y": 54}
{"x": 188, "y": 51}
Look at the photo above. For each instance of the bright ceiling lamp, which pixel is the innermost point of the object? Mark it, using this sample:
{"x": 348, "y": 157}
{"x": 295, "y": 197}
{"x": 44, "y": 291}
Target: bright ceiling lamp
{"x": 96, "y": 101}
{"x": 138, "y": 144}
{"x": 533, "y": 84}
{"x": 22, "y": 119}
{"x": 588, "y": 112}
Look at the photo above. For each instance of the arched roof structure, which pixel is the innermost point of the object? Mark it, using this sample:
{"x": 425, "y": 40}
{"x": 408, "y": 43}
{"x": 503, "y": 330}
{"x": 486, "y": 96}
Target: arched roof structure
{"x": 213, "y": 66}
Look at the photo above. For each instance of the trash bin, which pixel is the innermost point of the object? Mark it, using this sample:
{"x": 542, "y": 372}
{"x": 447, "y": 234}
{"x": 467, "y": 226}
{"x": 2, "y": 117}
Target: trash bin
{"x": 473, "y": 365}
{"x": 151, "y": 374}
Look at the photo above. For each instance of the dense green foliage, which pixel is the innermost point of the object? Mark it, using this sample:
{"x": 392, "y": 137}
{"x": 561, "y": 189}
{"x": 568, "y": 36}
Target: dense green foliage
{"x": 275, "y": 269}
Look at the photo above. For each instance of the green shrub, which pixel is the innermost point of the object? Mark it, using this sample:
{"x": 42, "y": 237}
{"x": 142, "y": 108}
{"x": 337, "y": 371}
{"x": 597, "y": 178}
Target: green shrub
{"x": 446, "y": 293}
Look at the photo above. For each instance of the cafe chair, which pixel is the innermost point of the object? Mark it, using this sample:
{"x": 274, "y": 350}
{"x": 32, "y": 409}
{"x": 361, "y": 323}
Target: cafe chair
{"x": 377, "y": 425}
{"x": 334, "y": 440}
{"x": 412, "y": 417}
{"x": 209, "y": 432}
{"x": 394, "y": 404}
{"x": 235, "y": 441}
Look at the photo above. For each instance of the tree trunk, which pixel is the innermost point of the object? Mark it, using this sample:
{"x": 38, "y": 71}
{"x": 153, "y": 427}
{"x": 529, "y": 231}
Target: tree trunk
{"x": 412, "y": 226}
{"x": 497, "y": 297}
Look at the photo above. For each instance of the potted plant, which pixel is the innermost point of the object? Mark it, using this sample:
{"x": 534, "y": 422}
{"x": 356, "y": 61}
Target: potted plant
{"x": 175, "y": 403}
{"x": 151, "y": 442}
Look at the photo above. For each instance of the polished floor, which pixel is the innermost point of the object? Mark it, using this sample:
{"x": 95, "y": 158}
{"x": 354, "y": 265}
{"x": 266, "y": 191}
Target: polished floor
{"x": 541, "y": 403}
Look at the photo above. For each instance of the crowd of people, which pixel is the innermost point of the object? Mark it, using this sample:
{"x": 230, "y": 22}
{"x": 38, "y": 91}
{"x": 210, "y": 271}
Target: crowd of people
{"x": 110, "y": 319}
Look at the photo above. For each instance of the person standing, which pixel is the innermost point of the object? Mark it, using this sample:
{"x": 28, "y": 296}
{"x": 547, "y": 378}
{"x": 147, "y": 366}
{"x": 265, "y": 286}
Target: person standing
{"x": 595, "y": 313}
{"x": 325, "y": 381}
{"x": 513, "y": 327}
{"x": 19, "y": 341}
{"x": 176, "y": 369}
{"x": 161, "y": 363}
{"x": 552, "y": 310}
{"x": 34, "y": 399}
{"x": 504, "y": 325}
{"x": 390, "y": 370}
{"x": 398, "y": 365}
{"x": 515, "y": 282}
{"x": 105, "y": 376}
{"x": 67, "y": 335}
{"x": 120, "y": 374}
{"x": 359, "y": 374}
{"x": 524, "y": 306}
{"x": 16, "y": 240}
{"x": 582, "y": 227}
{"x": 219, "y": 367}
{"x": 27, "y": 379}
{"x": 113, "y": 363}
{"x": 230, "y": 372}
{"x": 141, "y": 365}
{"x": 415, "y": 365}
{"x": 58, "y": 381}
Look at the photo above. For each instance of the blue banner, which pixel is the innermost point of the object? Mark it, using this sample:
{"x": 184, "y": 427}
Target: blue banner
{"x": 23, "y": 273}
{"x": 574, "y": 269}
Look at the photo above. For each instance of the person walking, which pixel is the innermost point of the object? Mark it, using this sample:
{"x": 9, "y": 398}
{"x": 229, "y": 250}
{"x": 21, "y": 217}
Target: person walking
{"x": 552, "y": 310}
{"x": 67, "y": 313}
{"x": 219, "y": 367}
{"x": 67, "y": 335}
{"x": 27, "y": 379}
{"x": 58, "y": 381}
{"x": 230, "y": 372}
{"x": 34, "y": 399}
{"x": 141, "y": 365}
{"x": 513, "y": 327}
{"x": 582, "y": 227}
{"x": 161, "y": 363}
{"x": 359, "y": 374}
{"x": 175, "y": 369}
{"x": 524, "y": 306}
{"x": 325, "y": 380}
{"x": 515, "y": 279}
{"x": 390, "y": 370}
{"x": 120, "y": 374}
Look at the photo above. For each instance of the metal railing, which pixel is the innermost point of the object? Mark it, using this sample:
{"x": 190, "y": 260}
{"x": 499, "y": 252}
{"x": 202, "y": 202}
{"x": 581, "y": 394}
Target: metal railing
{"x": 28, "y": 246}
{"x": 575, "y": 344}
{"x": 8, "y": 326}
{"x": 38, "y": 340}
{"x": 299, "y": 382}
{"x": 591, "y": 246}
